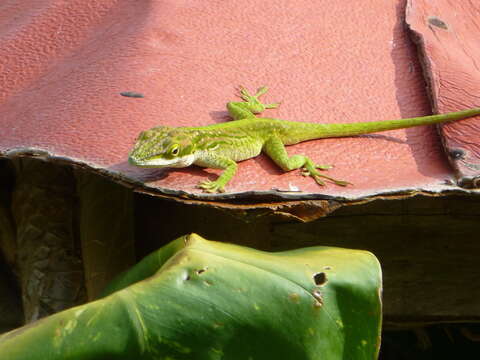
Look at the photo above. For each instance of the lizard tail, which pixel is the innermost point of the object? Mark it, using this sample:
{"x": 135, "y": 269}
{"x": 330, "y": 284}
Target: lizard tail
{"x": 317, "y": 130}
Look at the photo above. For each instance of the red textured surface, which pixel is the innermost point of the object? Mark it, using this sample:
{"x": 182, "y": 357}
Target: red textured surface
{"x": 447, "y": 31}
{"x": 63, "y": 65}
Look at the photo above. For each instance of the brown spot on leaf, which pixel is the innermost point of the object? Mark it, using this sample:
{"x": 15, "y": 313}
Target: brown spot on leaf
{"x": 201, "y": 271}
{"x": 294, "y": 297}
{"x": 317, "y": 295}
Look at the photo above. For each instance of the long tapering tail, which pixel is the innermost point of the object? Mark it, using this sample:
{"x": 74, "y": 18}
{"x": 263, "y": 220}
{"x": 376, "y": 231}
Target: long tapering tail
{"x": 312, "y": 131}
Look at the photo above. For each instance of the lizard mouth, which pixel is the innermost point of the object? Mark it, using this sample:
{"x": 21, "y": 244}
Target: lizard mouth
{"x": 178, "y": 162}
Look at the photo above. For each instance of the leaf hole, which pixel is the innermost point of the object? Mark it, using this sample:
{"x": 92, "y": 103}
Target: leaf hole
{"x": 201, "y": 271}
{"x": 320, "y": 278}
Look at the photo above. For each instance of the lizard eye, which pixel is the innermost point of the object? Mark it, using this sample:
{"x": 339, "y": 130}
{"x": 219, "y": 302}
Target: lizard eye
{"x": 175, "y": 150}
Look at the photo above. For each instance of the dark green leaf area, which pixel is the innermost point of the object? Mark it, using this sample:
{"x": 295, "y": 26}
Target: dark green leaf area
{"x": 219, "y": 301}
{"x": 202, "y": 300}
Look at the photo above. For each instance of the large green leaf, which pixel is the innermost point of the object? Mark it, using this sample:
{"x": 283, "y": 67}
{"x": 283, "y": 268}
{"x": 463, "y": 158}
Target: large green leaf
{"x": 198, "y": 299}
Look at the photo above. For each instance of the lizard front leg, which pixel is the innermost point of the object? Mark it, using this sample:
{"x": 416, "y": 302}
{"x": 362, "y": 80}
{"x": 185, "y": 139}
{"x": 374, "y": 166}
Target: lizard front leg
{"x": 275, "y": 149}
{"x": 228, "y": 165}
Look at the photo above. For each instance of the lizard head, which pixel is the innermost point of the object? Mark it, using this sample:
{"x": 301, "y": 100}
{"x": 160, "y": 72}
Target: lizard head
{"x": 163, "y": 147}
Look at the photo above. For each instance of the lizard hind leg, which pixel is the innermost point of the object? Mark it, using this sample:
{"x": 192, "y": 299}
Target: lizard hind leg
{"x": 276, "y": 151}
{"x": 250, "y": 106}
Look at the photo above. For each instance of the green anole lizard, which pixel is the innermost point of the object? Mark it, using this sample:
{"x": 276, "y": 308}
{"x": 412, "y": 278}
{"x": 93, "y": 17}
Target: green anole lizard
{"x": 220, "y": 146}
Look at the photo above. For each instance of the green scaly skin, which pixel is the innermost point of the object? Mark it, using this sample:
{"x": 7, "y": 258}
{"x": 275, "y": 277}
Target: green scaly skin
{"x": 220, "y": 146}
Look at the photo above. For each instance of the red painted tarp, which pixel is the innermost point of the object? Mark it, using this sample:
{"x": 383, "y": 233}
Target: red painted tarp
{"x": 64, "y": 65}
{"x": 447, "y": 34}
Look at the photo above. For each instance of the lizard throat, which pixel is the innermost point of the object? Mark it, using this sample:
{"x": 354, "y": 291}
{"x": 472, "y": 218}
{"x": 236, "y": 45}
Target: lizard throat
{"x": 179, "y": 162}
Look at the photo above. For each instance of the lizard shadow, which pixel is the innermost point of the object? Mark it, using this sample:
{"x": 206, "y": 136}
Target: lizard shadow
{"x": 413, "y": 99}
{"x": 155, "y": 174}
{"x": 383, "y": 137}
{"x": 138, "y": 173}
{"x": 220, "y": 116}
{"x": 268, "y": 165}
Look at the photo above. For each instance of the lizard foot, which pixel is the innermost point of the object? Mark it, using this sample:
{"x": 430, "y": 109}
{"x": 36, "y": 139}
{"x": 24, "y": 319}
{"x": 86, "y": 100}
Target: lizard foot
{"x": 211, "y": 187}
{"x": 254, "y": 99}
{"x": 310, "y": 169}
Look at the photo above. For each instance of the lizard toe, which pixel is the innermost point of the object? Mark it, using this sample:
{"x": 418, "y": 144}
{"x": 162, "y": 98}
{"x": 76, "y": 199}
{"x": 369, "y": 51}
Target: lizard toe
{"x": 210, "y": 186}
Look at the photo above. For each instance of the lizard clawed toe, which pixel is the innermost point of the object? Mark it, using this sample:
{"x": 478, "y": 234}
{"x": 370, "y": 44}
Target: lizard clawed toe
{"x": 317, "y": 176}
{"x": 254, "y": 99}
{"x": 210, "y": 186}
{"x": 244, "y": 94}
